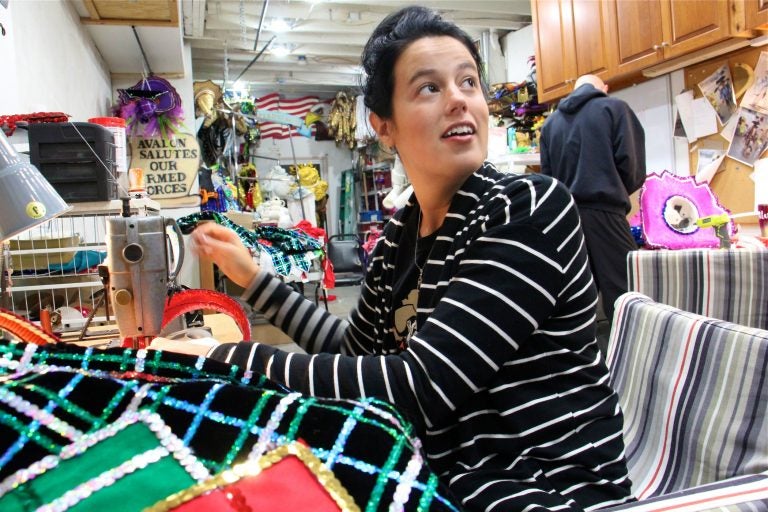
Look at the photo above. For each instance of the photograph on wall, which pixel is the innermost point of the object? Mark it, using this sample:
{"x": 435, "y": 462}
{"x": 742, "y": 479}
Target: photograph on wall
{"x": 750, "y": 138}
{"x": 756, "y": 97}
{"x": 717, "y": 88}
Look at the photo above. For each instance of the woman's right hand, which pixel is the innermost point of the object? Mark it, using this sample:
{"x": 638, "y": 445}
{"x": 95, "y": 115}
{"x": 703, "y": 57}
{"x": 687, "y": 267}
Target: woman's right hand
{"x": 226, "y": 250}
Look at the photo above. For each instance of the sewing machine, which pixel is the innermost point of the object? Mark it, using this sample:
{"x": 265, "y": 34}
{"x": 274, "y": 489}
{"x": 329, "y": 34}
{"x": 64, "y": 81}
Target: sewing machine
{"x": 139, "y": 275}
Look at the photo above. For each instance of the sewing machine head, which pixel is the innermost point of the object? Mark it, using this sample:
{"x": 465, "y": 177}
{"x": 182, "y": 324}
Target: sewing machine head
{"x": 139, "y": 273}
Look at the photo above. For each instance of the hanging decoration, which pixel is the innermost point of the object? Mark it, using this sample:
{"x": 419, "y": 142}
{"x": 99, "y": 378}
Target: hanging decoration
{"x": 150, "y": 108}
{"x": 249, "y": 191}
{"x": 342, "y": 121}
{"x": 207, "y": 100}
{"x": 170, "y": 165}
{"x": 309, "y": 178}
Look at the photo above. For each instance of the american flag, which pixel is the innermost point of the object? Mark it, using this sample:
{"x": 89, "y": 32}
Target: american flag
{"x": 297, "y": 107}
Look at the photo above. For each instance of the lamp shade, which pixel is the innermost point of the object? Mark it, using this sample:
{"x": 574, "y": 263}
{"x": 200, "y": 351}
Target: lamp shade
{"x": 26, "y": 197}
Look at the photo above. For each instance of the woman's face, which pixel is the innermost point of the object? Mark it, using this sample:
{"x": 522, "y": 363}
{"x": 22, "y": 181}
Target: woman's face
{"x": 439, "y": 122}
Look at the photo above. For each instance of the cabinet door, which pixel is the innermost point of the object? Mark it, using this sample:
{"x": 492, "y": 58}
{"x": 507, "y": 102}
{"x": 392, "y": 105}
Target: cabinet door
{"x": 693, "y": 24}
{"x": 756, "y": 13}
{"x": 563, "y": 53}
{"x": 553, "y": 39}
{"x": 591, "y": 38}
{"x": 636, "y": 34}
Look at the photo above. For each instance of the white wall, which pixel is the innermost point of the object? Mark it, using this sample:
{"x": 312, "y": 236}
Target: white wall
{"x": 51, "y": 61}
{"x": 9, "y": 95}
{"x": 518, "y": 47}
{"x": 652, "y": 103}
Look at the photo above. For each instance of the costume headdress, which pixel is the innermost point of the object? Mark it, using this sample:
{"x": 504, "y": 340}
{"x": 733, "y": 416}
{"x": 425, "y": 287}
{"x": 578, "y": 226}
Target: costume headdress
{"x": 151, "y": 107}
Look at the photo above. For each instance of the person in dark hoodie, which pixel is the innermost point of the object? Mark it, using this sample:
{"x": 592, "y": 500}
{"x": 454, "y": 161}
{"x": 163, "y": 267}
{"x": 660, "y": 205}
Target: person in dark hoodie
{"x": 595, "y": 145}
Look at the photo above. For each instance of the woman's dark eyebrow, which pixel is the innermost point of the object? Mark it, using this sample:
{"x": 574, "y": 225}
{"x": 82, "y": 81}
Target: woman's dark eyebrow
{"x": 431, "y": 71}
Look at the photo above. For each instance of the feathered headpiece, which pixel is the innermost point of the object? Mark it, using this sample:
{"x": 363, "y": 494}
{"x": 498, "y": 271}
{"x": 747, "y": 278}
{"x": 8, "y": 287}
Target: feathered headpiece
{"x": 151, "y": 107}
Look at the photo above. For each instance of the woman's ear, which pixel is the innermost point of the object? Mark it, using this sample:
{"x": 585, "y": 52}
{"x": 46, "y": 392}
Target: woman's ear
{"x": 383, "y": 128}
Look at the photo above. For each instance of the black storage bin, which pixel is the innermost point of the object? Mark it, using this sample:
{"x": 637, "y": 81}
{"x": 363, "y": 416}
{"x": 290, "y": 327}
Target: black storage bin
{"x": 76, "y": 158}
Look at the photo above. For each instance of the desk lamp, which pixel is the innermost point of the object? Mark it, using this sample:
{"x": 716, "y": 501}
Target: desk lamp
{"x": 26, "y": 197}
{"x": 26, "y": 200}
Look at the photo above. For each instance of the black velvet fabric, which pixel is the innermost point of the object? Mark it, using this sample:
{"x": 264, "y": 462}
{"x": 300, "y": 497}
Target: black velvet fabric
{"x": 216, "y": 408}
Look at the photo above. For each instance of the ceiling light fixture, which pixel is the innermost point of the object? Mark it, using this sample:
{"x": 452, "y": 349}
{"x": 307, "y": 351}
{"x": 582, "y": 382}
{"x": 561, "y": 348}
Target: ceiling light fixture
{"x": 279, "y": 25}
{"x": 280, "y": 50}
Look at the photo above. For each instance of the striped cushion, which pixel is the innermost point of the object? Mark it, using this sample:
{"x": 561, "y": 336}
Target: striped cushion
{"x": 730, "y": 285}
{"x": 739, "y": 494}
{"x": 694, "y": 392}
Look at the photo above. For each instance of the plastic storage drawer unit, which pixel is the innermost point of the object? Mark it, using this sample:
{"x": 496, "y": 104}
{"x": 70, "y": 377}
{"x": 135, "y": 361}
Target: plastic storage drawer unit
{"x": 76, "y": 158}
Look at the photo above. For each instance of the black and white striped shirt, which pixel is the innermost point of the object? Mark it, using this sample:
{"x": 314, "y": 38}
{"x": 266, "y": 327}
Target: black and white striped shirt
{"x": 503, "y": 379}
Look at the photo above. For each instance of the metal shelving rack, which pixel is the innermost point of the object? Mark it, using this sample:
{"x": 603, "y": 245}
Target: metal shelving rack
{"x": 40, "y": 258}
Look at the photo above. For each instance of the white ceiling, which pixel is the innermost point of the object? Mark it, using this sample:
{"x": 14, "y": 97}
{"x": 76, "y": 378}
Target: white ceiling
{"x": 324, "y": 39}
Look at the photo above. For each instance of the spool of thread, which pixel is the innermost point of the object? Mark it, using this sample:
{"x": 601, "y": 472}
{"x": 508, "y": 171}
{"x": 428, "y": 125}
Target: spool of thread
{"x": 45, "y": 320}
{"x": 116, "y": 125}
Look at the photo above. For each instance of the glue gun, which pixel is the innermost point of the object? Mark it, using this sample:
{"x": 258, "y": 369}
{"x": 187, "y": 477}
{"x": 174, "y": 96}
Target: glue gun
{"x": 713, "y": 221}
{"x": 720, "y": 223}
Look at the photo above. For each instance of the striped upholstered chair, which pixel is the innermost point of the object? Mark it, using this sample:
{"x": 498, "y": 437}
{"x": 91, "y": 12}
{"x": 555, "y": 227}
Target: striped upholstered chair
{"x": 730, "y": 285}
{"x": 694, "y": 391}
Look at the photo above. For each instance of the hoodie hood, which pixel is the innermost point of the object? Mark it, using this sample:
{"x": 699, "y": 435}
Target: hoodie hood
{"x": 577, "y": 99}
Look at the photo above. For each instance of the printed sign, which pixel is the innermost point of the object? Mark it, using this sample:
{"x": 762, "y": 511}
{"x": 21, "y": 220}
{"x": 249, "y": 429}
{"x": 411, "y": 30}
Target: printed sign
{"x": 170, "y": 165}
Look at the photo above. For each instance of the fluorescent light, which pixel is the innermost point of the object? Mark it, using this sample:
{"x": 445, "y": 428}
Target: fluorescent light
{"x": 689, "y": 59}
{"x": 759, "y": 41}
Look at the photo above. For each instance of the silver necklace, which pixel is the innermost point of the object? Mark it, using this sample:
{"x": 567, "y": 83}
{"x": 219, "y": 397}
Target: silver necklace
{"x": 416, "y": 253}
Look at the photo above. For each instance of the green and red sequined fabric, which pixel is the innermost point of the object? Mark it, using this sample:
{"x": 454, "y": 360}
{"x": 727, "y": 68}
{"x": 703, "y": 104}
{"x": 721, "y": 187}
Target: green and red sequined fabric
{"x": 54, "y": 396}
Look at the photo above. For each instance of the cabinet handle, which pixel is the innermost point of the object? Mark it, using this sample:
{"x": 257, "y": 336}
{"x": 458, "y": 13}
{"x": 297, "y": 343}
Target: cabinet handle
{"x": 656, "y": 47}
{"x": 664, "y": 44}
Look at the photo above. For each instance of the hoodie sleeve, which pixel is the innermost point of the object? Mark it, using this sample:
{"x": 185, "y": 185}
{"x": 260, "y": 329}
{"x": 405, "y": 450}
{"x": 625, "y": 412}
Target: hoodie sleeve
{"x": 545, "y": 163}
{"x": 629, "y": 149}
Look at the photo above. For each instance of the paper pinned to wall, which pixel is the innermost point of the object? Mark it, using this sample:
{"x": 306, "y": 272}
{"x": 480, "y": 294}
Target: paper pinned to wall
{"x": 704, "y": 118}
{"x": 708, "y": 164}
{"x": 717, "y": 88}
{"x": 684, "y": 103}
{"x": 697, "y": 115}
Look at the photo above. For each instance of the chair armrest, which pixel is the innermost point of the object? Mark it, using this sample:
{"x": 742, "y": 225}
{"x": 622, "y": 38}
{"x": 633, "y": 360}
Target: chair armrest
{"x": 748, "y": 493}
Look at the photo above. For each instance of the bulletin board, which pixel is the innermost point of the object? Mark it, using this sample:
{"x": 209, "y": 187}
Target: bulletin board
{"x": 732, "y": 184}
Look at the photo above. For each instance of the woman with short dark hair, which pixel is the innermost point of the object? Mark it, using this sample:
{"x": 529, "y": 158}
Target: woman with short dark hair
{"x": 477, "y": 314}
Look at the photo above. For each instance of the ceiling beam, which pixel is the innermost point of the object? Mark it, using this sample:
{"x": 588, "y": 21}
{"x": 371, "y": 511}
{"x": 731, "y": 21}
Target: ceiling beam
{"x": 193, "y": 12}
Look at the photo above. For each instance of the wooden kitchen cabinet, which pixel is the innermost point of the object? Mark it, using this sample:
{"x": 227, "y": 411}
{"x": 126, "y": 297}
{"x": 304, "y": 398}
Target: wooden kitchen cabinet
{"x": 615, "y": 39}
{"x": 563, "y": 52}
{"x": 636, "y": 34}
{"x": 692, "y": 24}
{"x": 756, "y": 13}
{"x": 646, "y": 32}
